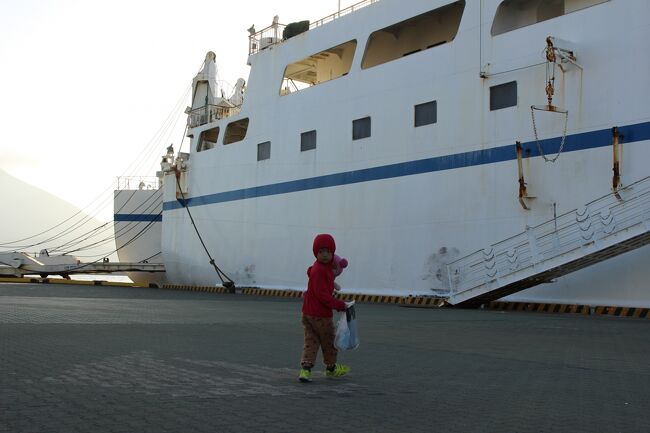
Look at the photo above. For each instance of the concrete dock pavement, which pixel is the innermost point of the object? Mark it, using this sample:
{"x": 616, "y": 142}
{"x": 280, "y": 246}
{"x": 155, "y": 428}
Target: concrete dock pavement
{"x": 114, "y": 359}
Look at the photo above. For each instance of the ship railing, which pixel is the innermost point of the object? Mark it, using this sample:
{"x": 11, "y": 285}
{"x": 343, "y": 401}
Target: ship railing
{"x": 137, "y": 182}
{"x": 210, "y": 113}
{"x": 342, "y": 12}
{"x": 265, "y": 38}
{"x": 272, "y": 35}
{"x": 610, "y": 215}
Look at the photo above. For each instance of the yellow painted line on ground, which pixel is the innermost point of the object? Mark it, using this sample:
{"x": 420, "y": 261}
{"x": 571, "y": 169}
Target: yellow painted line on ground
{"x": 72, "y": 282}
{"x": 18, "y": 280}
{"x": 571, "y": 308}
{"x": 634, "y": 312}
{"x": 411, "y": 300}
{"x": 118, "y": 284}
{"x": 401, "y": 300}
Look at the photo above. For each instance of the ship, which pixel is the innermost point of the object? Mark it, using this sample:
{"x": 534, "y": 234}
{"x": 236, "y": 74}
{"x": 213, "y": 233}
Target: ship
{"x": 421, "y": 135}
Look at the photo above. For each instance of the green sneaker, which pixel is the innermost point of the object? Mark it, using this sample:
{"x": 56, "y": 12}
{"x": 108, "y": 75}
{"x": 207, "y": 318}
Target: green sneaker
{"x": 339, "y": 370}
{"x": 305, "y": 375}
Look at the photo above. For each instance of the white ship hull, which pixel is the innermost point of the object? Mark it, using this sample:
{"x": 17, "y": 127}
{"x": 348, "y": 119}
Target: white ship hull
{"x": 138, "y": 228}
{"x": 405, "y": 201}
{"x": 409, "y": 258}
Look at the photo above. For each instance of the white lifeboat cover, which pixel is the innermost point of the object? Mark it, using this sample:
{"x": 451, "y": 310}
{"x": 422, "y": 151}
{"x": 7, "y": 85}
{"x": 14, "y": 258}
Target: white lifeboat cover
{"x": 205, "y": 83}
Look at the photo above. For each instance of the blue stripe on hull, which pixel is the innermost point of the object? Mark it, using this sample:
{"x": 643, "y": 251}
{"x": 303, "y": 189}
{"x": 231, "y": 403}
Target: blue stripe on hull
{"x": 138, "y": 218}
{"x": 582, "y": 141}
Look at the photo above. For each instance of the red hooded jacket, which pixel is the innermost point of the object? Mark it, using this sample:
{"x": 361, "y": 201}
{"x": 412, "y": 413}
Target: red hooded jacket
{"x": 318, "y": 300}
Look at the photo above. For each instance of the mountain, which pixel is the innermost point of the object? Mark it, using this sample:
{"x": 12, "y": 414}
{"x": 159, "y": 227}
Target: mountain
{"x": 28, "y": 210}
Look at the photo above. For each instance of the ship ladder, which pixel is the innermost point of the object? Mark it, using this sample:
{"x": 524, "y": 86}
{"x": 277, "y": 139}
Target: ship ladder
{"x": 604, "y": 228}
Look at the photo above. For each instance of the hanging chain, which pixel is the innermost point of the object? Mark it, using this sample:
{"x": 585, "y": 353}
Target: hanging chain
{"x": 539, "y": 147}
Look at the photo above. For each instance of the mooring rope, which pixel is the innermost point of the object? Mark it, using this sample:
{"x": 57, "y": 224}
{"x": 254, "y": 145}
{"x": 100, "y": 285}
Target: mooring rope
{"x": 229, "y": 284}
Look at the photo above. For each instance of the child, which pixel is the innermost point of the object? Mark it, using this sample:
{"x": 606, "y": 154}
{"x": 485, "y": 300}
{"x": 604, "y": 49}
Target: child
{"x": 317, "y": 308}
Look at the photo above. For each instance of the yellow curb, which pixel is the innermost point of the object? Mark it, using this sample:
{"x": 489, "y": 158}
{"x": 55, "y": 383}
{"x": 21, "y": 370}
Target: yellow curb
{"x": 71, "y": 282}
{"x": 19, "y": 280}
{"x": 118, "y": 284}
{"x": 570, "y": 308}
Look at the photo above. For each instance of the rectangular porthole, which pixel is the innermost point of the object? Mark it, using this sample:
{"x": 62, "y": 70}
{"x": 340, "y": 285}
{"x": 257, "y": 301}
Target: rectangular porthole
{"x": 503, "y": 96}
{"x": 308, "y": 141}
{"x": 264, "y": 151}
{"x": 361, "y": 128}
{"x": 426, "y": 114}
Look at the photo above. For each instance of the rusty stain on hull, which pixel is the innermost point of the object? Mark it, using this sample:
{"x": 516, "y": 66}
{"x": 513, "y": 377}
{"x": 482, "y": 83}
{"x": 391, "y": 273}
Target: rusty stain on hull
{"x": 520, "y": 168}
{"x": 616, "y": 178}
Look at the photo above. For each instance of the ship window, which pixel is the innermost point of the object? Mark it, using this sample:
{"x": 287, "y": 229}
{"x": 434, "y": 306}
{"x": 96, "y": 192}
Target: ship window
{"x": 207, "y": 139}
{"x": 236, "y": 131}
{"x": 264, "y": 151}
{"x": 426, "y": 114}
{"x": 318, "y": 68}
{"x": 503, "y": 96}
{"x": 308, "y": 140}
{"x": 361, "y": 128}
{"x": 416, "y": 34}
{"x": 514, "y": 14}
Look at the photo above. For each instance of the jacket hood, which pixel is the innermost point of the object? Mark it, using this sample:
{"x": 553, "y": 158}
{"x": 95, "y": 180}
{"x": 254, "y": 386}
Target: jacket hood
{"x": 324, "y": 240}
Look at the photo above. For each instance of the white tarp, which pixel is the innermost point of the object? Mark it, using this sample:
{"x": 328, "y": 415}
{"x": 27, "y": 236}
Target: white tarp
{"x": 205, "y": 83}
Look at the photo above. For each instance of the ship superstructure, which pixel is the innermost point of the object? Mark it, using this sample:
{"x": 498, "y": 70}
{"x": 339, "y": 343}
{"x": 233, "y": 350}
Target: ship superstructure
{"x": 415, "y": 133}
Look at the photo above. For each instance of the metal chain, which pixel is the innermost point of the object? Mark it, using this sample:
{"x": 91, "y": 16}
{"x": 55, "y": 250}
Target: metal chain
{"x": 539, "y": 147}
{"x": 550, "y": 91}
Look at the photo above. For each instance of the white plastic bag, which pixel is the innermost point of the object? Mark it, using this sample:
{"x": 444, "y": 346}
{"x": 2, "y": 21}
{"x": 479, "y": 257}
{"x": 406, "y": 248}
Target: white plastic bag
{"x": 347, "y": 334}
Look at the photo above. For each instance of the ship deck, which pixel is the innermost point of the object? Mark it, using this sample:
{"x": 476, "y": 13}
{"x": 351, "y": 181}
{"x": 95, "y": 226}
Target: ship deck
{"x": 125, "y": 359}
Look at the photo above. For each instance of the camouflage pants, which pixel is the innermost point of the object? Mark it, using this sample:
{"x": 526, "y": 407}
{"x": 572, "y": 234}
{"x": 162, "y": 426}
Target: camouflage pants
{"x": 319, "y": 332}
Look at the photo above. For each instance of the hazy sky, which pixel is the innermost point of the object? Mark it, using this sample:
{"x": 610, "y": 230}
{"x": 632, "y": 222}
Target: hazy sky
{"x": 85, "y": 85}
